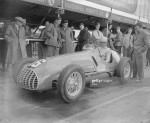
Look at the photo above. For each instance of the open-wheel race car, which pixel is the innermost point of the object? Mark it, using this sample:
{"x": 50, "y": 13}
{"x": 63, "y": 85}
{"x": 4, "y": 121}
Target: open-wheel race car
{"x": 69, "y": 73}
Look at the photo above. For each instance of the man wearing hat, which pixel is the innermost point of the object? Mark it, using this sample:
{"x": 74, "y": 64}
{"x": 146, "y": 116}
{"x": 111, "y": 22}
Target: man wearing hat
{"x": 104, "y": 50}
{"x": 15, "y": 36}
{"x": 118, "y": 40}
{"x": 53, "y": 38}
{"x": 140, "y": 46}
{"x": 82, "y": 38}
{"x": 67, "y": 38}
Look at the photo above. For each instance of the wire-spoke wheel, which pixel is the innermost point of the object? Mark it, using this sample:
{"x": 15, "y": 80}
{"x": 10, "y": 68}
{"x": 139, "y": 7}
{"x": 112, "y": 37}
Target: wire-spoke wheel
{"x": 127, "y": 70}
{"x": 124, "y": 70}
{"x": 71, "y": 83}
{"x": 74, "y": 84}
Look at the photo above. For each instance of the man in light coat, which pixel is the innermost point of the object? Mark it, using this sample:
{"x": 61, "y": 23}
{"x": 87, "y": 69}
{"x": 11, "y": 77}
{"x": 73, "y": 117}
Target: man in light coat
{"x": 15, "y": 36}
{"x": 97, "y": 35}
{"x": 67, "y": 38}
{"x": 140, "y": 46}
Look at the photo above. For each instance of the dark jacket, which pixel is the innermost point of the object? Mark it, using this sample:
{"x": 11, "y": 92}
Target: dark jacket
{"x": 83, "y": 36}
{"x": 118, "y": 39}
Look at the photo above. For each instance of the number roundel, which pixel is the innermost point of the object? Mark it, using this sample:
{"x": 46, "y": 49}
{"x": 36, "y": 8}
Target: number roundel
{"x": 37, "y": 63}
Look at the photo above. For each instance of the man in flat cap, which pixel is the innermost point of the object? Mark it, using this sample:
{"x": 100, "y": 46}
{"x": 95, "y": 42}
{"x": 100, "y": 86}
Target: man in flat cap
{"x": 140, "y": 46}
{"x": 118, "y": 40}
{"x": 15, "y": 37}
{"x": 53, "y": 38}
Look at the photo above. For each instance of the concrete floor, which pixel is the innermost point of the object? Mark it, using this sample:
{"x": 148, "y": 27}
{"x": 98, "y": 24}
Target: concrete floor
{"x": 113, "y": 103}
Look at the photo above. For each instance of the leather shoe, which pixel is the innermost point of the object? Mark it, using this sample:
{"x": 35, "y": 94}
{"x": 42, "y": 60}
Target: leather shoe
{"x": 133, "y": 78}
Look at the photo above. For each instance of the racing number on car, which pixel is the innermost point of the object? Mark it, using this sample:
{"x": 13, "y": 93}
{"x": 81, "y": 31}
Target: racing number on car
{"x": 37, "y": 63}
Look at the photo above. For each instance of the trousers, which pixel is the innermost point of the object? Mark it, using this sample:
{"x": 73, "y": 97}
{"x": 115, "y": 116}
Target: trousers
{"x": 79, "y": 47}
{"x": 138, "y": 65}
{"x": 127, "y": 51}
{"x": 118, "y": 48}
{"x": 51, "y": 51}
{"x": 41, "y": 50}
{"x": 148, "y": 56}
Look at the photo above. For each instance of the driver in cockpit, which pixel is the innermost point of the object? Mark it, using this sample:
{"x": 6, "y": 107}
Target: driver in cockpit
{"x": 105, "y": 52}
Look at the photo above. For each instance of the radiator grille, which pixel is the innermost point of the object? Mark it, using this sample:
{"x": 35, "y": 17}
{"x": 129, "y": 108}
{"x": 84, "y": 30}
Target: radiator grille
{"x": 27, "y": 79}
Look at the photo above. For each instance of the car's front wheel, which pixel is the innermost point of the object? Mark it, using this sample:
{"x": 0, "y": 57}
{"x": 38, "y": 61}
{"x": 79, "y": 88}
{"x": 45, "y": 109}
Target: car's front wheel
{"x": 124, "y": 70}
{"x": 71, "y": 83}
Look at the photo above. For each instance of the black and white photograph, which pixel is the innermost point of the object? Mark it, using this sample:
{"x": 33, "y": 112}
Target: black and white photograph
{"x": 74, "y": 61}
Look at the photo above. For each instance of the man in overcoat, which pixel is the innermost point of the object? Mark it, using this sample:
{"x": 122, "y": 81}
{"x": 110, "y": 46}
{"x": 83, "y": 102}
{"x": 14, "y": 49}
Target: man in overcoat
{"x": 140, "y": 46}
{"x": 67, "y": 38}
{"x": 15, "y": 37}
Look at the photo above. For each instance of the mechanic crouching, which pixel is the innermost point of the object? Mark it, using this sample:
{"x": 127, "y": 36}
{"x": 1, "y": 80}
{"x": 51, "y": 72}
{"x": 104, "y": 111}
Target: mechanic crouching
{"x": 105, "y": 52}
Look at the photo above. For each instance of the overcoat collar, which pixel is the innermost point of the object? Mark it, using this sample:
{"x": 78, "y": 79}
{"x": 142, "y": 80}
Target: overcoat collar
{"x": 140, "y": 35}
{"x": 15, "y": 29}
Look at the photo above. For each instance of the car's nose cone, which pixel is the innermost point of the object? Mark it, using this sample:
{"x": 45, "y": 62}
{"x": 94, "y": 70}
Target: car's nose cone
{"x": 27, "y": 79}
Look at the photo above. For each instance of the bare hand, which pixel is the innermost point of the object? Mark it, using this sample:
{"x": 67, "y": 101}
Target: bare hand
{"x": 63, "y": 40}
{"x": 27, "y": 42}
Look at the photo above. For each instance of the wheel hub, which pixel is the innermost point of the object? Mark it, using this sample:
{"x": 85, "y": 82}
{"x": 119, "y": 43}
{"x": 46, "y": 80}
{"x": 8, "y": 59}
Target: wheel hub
{"x": 74, "y": 83}
{"x": 127, "y": 70}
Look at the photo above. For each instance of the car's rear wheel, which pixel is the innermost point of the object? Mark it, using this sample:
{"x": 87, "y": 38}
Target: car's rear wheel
{"x": 71, "y": 83}
{"x": 17, "y": 67}
{"x": 124, "y": 70}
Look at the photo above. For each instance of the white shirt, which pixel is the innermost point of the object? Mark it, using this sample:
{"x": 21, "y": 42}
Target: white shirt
{"x": 96, "y": 34}
{"x": 105, "y": 53}
{"x": 17, "y": 27}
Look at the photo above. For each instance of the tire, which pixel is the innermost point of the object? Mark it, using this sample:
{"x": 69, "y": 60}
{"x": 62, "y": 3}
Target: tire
{"x": 124, "y": 62}
{"x": 63, "y": 80}
{"x": 19, "y": 65}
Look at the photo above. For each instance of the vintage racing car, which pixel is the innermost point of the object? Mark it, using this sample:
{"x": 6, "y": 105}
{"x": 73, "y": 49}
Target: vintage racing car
{"x": 70, "y": 72}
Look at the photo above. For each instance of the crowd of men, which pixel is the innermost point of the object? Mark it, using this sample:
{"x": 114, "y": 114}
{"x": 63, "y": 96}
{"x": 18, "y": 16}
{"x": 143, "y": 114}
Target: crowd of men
{"x": 58, "y": 40}
{"x": 135, "y": 45}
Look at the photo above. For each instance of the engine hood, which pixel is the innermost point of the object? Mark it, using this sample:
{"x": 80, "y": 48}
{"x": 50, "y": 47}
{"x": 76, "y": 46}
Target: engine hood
{"x": 51, "y": 67}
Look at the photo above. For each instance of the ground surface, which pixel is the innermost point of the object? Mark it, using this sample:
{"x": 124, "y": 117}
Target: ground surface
{"x": 113, "y": 103}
